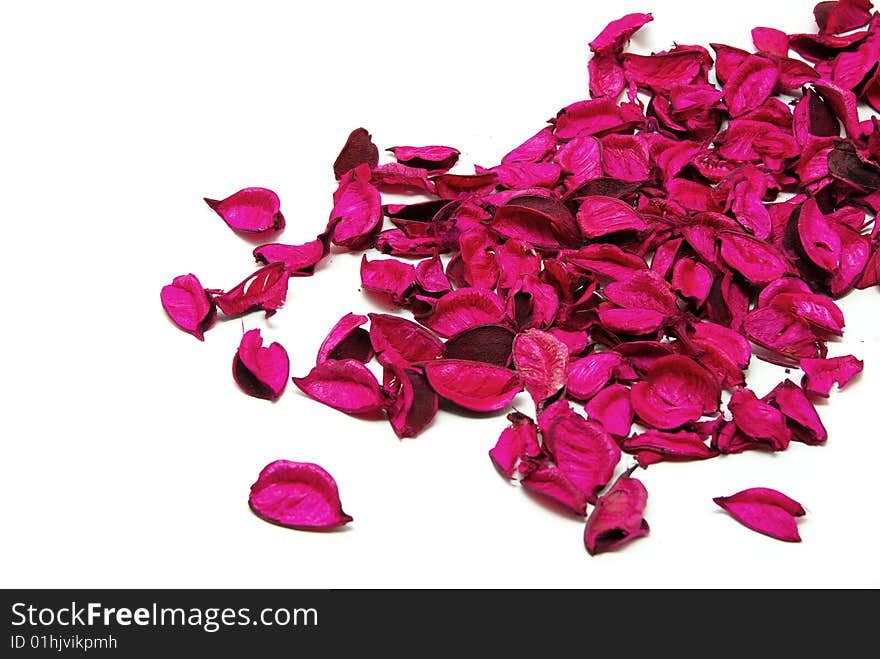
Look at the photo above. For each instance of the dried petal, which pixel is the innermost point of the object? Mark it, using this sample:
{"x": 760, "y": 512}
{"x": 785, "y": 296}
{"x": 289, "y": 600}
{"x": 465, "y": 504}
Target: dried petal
{"x": 541, "y": 360}
{"x": 766, "y": 511}
{"x": 492, "y": 344}
{"x": 251, "y": 210}
{"x": 299, "y": 260}
{"x": 552, "y": 482}
{"x": 820, "y": 375}
{"x": 759, "y": 420}
{"x": 516, "y": 442}
{"x": 265, "y": 289}
{"x": 359, "y": 149}
{"x": 598, "y": 216}
{"x": 413, "y": 403}
{"x": 347, "y": 340}
{"x": 589, "y": 375}
{"x": 260, "y": 372}
{"x": 436, "y": 159}
{"x": 387, "y": 277}
{"x": 462, "y": 309}
{"x": 618, "y": 516}
{"x": 357, "y": 210}
{"x": 345, "y": 385}
{"x": 750, "y": 84}
{"x": 188, "y": 305}
{"x": 410, "y": 340}
{"x": 473, "y": 385}
{"x": 298, "y": 495}
{"x": 654, "y": 446}
{"x": 612, "y": 409}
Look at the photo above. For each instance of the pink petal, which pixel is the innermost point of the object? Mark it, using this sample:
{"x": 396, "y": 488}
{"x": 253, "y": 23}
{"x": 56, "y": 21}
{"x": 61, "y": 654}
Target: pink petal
{"x": 612, "y": 409}
{"x": 584, "y": 451}
{"x": 462, "y": 309}
{"x": 759, "y": 420}
{"x": 430, "y": 276}
{"x": 553, "y": 483}
{"x": 589, "y": 375}
{"x": 820, "y": 375}
{"x": 188, "y": 305}
{"x": 754, "y": 259}
{"x": 770, "y": 40}
{"x": 410, "y": 340}
{"x": 298, "y": 495}
{"x": 766, "y": 511}
{"x": 692, "y": 279}
{"x": 347, "y": 340}
{"x": 516, "y": 442}
{"x": 615, "y": 35}
{"x": 750, "y": 84}
{"x": 842, "y": 16}
{"x": 643, "y": 289}
{"x": 618, "y": 516}
{"x": 654, "y": 446}
{"x": 251, "y": 210}
{"x": 299, "y": 260}
{"x": 345, "y": 385}
{"x": 265, "y": 289}
{"x": 356, "y": 217}
{"x": 598, "y": 216}
{"x": 541, "y": 361}
{"x": 473, "y": 385}
{"x": 358, "y": 150}
{"x": 820, "y": 242}
{"x": 260, "y": 372}
{"x": 803, "y": 418}
{"x": 453, "y": 186}
{"x": 387, "y": 277}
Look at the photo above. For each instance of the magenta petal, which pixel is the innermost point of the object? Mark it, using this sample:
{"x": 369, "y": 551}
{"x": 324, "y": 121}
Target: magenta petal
{"x": 347, "y": 340}
{"x": 359, "y": 149}
{"x": 759, "y": 420}
{"x": 535, "y": 149}
{"x": 692, "y": 279}
{"x": 589, "y": 375}
{"x": 260, "y": 372}
{"x": 643, "y": 289}
{"x": 410, "y": 340}
{"x": 757, "y": 261}
{"x": 584, "y": 451}
{"x": 188, "y": 305}
{"x": 517, "y": 441}
{"x": 251, "y": 210}
{"x": 541, "y": 361}
{"x": 462, "y": 309}
{"x": 265, "y": 289}
{"x": 612, "y": 409}
{"x": 473, "y": 385}
{"x": 356, "y": 217}
{"x": 791, "y": 400}
{"x": 431, "y": 278}
{"x": 820, "y": 375}
{"x": 766, "y": 511}
{"x": 298, "y": 495}
{"x": 299, "y": 260}
{"x": 615, "y": 35}
{"x": 345, "y": 385}
{"x": 655, "y": 445}
{"x": 618, "y": 516}
{"x": 750, "y": 84}
{"x": 552, "y": 482}
{"x": 598, "y": 216}
{"x": 387, "y": 277}
{"x": 820, "y": 242}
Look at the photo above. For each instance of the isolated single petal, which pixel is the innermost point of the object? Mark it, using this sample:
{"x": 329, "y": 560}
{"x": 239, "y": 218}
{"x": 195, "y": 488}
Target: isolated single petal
{"x": 251, "y": 210}
{"x": 299, "y": 260}
{"x": 265, "y": 289}
{"x": 766, "y": 511}
{"x": 516, "y": 442}
{"x": 298, "y": 495}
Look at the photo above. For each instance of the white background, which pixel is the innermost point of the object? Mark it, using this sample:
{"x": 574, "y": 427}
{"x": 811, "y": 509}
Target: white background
{"x": 128, "y": 450}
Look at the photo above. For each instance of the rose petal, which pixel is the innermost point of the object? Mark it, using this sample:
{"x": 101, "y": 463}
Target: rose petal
{"x": 541, "y": 361}
{"x": 347, "y": 340}
{"x": 618, "y": 516}
{"x": 820, "y": 375}
{"x": 260, "y": 372}
{"x": 251, "y": 210}
{"x": 766, "y": 511}
{"x": 358, "y": 150}
{"x": 188, "y": 305}
{"x": 298, "y": 495}
{"x": 473, "y": 385}
{"x": 345, "y": 385}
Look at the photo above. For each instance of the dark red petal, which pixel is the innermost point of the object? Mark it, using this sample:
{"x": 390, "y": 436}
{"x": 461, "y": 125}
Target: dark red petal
{"x": 492, "y": 344}
{"x": 359, "y": 149}
{"x": 298, "y": 495}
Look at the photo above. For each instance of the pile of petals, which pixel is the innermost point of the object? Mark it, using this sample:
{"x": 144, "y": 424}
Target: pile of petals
{"x": 622, "y": 266}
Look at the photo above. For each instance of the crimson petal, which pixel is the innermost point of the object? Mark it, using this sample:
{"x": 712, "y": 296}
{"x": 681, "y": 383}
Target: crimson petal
{"x": 766, "y": 511}
{"x": 260, "y": 372}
